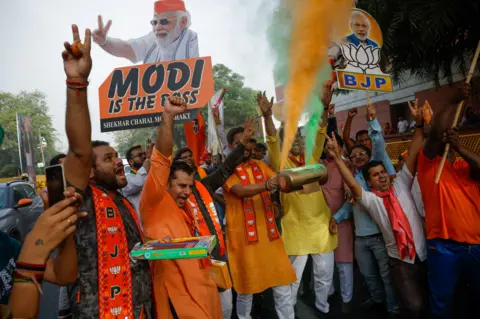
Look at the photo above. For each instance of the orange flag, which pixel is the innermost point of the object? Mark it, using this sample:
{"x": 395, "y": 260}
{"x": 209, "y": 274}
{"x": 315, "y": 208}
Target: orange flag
{"x": 196, "y": 137}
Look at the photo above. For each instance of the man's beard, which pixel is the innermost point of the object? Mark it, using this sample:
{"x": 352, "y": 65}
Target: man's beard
{"x": 362, "y": 38}
{"x": 137, "y": 166}
{"x": 107, "y": 181}
{"x": 171, "y": 36}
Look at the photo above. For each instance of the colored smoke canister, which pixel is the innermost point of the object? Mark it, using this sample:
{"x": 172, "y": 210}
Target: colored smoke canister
{"x": 292, "y": 180}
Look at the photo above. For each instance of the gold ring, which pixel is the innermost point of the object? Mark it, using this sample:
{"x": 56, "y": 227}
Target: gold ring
{"x": 69, "y": 221}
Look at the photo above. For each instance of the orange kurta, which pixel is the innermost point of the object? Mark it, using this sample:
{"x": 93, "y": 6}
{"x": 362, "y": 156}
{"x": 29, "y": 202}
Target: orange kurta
{"x": 259, "y": 266}
{"x": 191, "y": 291}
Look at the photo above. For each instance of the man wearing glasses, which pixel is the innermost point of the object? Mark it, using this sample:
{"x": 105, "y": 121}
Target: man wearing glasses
{"x": 370, "y": 250}
{"x": 139, "y": 162}
{"x": 170, "y": 39}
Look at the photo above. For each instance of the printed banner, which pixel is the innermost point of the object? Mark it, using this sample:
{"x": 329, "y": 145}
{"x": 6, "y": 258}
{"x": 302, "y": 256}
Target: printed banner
{"x": 357, "y": 58}
{"x": 26, "y": 147}
{"x": 195, "y": 136}
{"x": 133, "y": 97}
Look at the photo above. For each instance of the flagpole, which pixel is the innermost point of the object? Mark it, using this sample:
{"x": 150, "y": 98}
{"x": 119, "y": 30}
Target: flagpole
{"x": 41, "y": 149}
{"x": 19, "y": 145}
{"x": 216, "y": 130}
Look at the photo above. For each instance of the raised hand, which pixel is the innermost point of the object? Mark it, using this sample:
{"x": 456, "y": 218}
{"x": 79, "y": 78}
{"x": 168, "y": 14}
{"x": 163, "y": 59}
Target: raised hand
{"x": 249, "y": 131}
{"x": 371, "y": 112}
{"x": 78, "y": 64}
{"x": 333, "y": 149}
{"x": 51, "y": 229}
{"x": 327, "y": 93}
{"x": 149, "y": 150}
{"x": 417, "y": 113}
{"x": 352, "y": 112}
{"x": 175, "y": 105}
{"x": 216, "y": 116}
{"x": 331, "y": 110}
{"x": 100, "y": 34}
{"x": 264, "y": 104}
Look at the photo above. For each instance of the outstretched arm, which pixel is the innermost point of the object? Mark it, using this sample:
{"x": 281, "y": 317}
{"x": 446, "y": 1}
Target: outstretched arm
{"x": 115, "y": 47}
{"x": 442, "y": 121}
{"x": 334, "y": 151}
{"x": 77, "y": 68}
{"x": 470, "y": 157}
{"x": 224, "y": 171}
{"x": 417, "y": 140}
{"x": 348, "y": 127}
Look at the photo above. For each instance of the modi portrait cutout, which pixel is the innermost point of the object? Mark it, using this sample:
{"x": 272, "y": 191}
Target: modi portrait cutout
{"x": 170, "y": 37}
{"x": 357, "y": 59}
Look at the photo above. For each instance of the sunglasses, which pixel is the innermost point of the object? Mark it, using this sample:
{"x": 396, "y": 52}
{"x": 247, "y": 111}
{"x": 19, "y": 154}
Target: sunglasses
{"x": 362, "y": 153}
{"x": 164, "y": 21}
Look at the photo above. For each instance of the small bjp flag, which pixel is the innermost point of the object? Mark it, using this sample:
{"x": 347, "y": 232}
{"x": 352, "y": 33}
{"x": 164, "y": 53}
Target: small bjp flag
{"x": 427, "y": 112}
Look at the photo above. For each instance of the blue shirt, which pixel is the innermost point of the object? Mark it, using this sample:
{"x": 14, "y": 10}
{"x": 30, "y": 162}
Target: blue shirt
{"x": 10, "y": 249}
{"x": 352, "y": 38}
{"x": 364, "y": 224}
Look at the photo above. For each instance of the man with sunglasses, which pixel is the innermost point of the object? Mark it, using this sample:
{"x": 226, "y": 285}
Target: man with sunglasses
{"x": 170, "y": 39}
{"x": 370, "y": 250}
{"x": 139, "y": 162}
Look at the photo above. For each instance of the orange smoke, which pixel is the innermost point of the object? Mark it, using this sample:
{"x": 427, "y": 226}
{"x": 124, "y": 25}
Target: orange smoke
{"x": 316, "y": 24}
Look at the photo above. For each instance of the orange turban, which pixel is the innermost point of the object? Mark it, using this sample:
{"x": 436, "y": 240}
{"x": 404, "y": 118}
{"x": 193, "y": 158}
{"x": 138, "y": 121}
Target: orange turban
{"x": 162, "y": 6}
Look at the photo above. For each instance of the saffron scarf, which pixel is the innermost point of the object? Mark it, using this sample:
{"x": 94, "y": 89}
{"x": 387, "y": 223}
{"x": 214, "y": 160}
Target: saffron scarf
{"x": 300, "y": 162}
{"x": 193, "y": 210}
{"x": 201, "y": 174}
{"x": 114, "y": 273}
{"x": 400, "y": 225}
{"x": 249, "y": 210}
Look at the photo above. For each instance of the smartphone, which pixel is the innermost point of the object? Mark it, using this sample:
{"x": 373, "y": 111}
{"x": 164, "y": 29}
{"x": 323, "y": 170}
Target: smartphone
{"x": 56, "y": 184}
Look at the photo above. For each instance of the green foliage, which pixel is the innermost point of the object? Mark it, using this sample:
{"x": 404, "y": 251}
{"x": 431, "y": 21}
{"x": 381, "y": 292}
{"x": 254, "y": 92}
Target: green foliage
{"x": 426, "y": 38}
{"x": 9, "y": 170}
{"x": 240, "y": 103}
{"x": 34, "y": 106}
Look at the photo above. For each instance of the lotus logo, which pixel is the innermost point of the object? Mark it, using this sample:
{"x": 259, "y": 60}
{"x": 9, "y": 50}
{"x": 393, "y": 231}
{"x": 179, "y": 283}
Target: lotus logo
{"x": 360, "y": 57}
{"x": 112, "y": 230}
{"x": 116, "y": 311}
{"x": 115, "y": 270}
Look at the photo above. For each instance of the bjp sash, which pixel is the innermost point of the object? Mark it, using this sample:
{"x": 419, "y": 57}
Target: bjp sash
{"x": 193, "y": 210}
{"x": 114, "y": 274}
{"x": 249, "y": 210}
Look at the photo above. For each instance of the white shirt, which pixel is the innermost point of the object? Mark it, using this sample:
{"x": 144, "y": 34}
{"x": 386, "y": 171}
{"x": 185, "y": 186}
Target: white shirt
{"x": 417, "y": 197}
{"x": 402, "y": 126}
{"x": 134, "y": 188}
{"x": 185, "y": 47}
{"x": 374, "y": 204}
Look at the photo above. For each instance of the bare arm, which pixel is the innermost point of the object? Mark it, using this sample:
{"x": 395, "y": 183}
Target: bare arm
{"x": 348, "y": 127}
{"x": 248, "y": 190}
{"x": 79, "y": 157}
{"x": 62, "y": 270}
{"x": 417, "y": 139}
{"x": 266, "y": 107}
{"x": 470, "y": 157}
{"x": 334, "y": 151}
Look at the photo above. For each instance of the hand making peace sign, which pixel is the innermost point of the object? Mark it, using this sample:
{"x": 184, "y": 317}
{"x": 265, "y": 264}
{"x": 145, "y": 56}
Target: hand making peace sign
{"x": 100, "y": 34}
{"x": 77, "y": 61}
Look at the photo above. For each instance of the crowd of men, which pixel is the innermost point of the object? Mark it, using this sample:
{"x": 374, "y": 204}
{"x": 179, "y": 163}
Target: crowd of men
{"x": 412, "y": 239}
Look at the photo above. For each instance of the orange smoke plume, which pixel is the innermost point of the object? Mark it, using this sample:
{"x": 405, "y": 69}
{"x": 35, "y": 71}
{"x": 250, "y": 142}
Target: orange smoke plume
{"x": 315, "y": 25}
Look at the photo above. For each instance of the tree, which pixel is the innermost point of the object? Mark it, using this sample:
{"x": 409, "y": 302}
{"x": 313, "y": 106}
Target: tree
{"x": 426, "y": 39}
{"x": 239, "y": 101}
{"x": 34, "y": 106}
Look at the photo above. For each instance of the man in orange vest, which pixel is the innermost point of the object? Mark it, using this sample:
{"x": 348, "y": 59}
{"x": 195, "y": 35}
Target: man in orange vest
{"x": 174, "y": 204}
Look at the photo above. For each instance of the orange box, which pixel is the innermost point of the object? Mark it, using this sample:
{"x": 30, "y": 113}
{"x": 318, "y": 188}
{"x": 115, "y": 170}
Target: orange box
{"x": 220, "y": 274}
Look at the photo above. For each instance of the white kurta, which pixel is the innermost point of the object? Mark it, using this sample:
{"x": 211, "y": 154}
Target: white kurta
{"x": 147, "y": 51}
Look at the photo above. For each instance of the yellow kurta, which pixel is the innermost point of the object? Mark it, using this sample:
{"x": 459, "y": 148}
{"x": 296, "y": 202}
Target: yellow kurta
{"x": 254, "y": 267}
{"x": 305, "y": 217}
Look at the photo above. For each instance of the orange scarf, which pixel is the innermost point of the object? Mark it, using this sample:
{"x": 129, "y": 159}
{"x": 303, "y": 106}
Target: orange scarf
{"x": 201, "y": 173}
{"x": 400, "y": 224}
{"x": 249, "y": 210}
{"x": 300, "y": 162}
{"x": 193, "y": 210}
{"x": 114, "y": 273}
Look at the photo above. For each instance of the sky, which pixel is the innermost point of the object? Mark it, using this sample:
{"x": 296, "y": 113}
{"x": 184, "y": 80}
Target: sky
{"x": 232, "y": 32}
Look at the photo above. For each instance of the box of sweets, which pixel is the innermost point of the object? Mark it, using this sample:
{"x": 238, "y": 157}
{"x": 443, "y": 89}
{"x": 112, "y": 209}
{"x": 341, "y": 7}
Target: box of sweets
{"x": 176, "y": 248}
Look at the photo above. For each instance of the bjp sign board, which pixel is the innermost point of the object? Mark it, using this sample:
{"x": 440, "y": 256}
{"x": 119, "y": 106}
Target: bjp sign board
{"x": 357, "y": 57}
{"x": 134, "y": 97}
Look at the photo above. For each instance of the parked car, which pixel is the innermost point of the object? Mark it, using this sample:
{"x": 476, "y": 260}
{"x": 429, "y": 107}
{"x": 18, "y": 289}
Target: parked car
{"x": 20, "y": 206}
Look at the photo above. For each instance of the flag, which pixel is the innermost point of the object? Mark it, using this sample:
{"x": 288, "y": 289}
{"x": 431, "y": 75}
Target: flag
{"x": 195, "y": 135}
{"x": 216, "y": 103}
{"x": 2, "y": 135}
{"x": 26, "y": 146}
